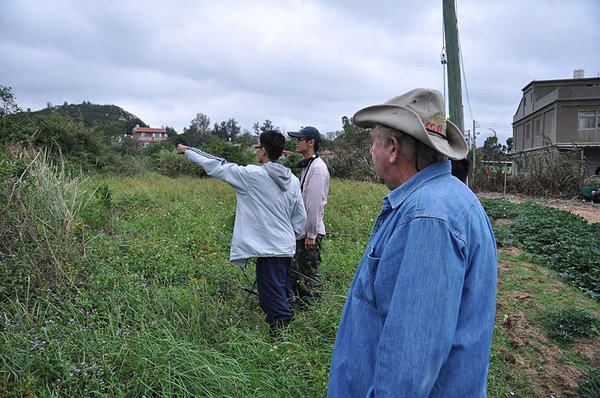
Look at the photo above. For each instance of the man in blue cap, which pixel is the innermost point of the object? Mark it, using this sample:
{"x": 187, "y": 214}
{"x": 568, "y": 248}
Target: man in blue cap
{"x": 314, "y": 184}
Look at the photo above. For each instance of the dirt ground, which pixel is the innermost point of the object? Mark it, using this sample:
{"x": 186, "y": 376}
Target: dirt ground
{"x": 588, "y": 210}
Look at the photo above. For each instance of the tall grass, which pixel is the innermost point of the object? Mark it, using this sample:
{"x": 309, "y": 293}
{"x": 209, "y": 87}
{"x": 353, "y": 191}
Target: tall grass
{"x": 42, "y": 220}
{"x": 153, "y": 319}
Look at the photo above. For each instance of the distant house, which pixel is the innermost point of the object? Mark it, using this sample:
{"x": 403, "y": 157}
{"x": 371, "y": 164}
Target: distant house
{"x": 146, "y": 135}
{"x": 558, "y": 115}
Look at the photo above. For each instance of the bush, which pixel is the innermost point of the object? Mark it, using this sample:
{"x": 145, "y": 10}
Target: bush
{"x": 233, "y": 153}
{"x": 171, "y": 164}
{"x": 127, "y": 165}
{"x": 550, "y": 173}
{"x": 291, "y": 161}
{"x": 352, "y": 164}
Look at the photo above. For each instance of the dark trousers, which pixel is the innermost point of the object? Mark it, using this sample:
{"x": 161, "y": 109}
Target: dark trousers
{"x": 306, "y": 280}
{"x": 274, "y": 288}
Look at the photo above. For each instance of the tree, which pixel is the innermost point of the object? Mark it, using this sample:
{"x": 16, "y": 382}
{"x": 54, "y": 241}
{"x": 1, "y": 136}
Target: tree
{"x": 509, "y": 146}
{"x": 267, "y": 125}
{"x": 247, "y": 138}
{"x": 226, "y": 130}
{"x": 232, "y": 129}
{"x": 491, "y": 149}
{"x": 8, "y": 102}
{"x": 198, "y": 133}
{"x": 351, "y": 149}
{"x": 8, "y": 107}
{"x": 200, "y": 123}
{"x": 352, "y": 136}
{"x": 170, "y": 131}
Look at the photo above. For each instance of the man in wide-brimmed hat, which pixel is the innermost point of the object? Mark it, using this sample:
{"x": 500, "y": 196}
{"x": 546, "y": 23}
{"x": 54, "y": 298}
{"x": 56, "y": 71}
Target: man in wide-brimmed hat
{"x": 419, "y": 316}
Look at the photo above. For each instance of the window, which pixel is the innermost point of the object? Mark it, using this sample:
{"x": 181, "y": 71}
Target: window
{"x": 589, "y": 119}
{"x": 538, "y": 125}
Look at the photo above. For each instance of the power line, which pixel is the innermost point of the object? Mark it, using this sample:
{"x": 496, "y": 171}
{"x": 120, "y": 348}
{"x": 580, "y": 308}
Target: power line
{"x": 510, "y": 106}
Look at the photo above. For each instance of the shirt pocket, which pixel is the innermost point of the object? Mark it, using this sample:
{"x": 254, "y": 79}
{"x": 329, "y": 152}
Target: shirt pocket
{"x": 364, "y": 288}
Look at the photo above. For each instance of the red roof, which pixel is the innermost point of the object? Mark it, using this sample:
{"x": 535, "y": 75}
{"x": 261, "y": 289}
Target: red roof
{"x": 149, "y": 130}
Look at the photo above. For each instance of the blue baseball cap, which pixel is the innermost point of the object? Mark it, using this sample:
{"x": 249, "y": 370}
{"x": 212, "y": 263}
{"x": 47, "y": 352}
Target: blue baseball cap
{"x": 307, "y": 132}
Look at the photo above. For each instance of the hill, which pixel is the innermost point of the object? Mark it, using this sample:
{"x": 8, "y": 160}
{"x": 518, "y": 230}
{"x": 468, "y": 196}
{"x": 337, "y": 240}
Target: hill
{"x": 110, "y": 118}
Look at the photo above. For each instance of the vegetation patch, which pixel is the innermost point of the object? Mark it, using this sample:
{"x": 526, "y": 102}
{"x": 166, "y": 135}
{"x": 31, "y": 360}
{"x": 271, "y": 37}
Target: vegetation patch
{"x": 569, "y": 324}
{"x": 558, "y": 239}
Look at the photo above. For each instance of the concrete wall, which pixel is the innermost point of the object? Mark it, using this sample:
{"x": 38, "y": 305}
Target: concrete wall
{"x": 549, "y": 114}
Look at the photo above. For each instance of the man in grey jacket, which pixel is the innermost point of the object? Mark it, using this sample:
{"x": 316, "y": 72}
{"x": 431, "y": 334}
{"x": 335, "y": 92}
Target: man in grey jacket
{"x": 269, "y": 216}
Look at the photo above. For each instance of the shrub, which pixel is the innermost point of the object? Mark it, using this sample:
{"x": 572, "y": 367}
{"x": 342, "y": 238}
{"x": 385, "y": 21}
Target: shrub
{"x": 292, "y": 161}
{"x": 171, "y": 164}
{"x": 127, "y": 165}
{"x": 550, "y": 173}
{"x": 233, "y": 153}
{"x": 352, "y": 164}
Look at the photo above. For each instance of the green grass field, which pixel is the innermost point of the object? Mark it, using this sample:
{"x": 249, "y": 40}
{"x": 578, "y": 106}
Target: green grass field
{"x": 154, "y": 319}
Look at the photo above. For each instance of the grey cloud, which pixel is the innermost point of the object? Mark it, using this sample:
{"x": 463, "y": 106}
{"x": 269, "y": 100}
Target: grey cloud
{"x": 296, "y": 63}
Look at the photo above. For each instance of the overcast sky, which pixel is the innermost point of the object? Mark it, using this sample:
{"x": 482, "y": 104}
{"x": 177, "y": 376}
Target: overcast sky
{"x": 295, "y": 62}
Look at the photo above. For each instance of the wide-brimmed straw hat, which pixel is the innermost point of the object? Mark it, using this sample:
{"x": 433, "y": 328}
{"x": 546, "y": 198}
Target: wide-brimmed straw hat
{"x": 419, "y": 113}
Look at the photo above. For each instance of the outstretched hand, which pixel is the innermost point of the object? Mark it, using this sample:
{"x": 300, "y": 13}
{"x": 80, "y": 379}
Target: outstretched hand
{"x": 181, "y": 148}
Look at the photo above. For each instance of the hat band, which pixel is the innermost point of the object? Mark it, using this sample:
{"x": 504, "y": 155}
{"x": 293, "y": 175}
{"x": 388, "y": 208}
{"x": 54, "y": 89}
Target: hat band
{"x": 437, "y": 126}
{"x": 437, "y": 133}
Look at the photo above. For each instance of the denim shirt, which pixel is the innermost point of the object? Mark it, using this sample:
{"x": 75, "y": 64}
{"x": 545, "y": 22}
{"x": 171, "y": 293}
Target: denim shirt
{"x": 419, "y": 316}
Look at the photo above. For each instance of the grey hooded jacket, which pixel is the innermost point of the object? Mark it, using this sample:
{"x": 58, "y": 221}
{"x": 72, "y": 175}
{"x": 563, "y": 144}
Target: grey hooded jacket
{"x": 269, "y": 212}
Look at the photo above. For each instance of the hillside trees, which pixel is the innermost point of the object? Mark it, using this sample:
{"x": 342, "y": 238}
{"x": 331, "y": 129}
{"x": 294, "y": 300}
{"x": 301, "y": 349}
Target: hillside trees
{"x": 62, "y": 135}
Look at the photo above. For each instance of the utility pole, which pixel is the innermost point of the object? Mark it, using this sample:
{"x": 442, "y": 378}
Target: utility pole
{"x": 474, "y": 149}
{"x": 453, "y": 57}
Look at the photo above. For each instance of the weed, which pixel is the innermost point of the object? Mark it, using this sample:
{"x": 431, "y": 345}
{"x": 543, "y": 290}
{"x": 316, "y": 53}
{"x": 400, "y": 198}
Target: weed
{"x": 591, "y": 387}
{"x": 568, "y": 324}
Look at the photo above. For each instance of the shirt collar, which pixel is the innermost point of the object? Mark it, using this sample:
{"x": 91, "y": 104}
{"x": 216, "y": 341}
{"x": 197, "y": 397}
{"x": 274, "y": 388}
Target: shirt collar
{"x": 398, "y": 195}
